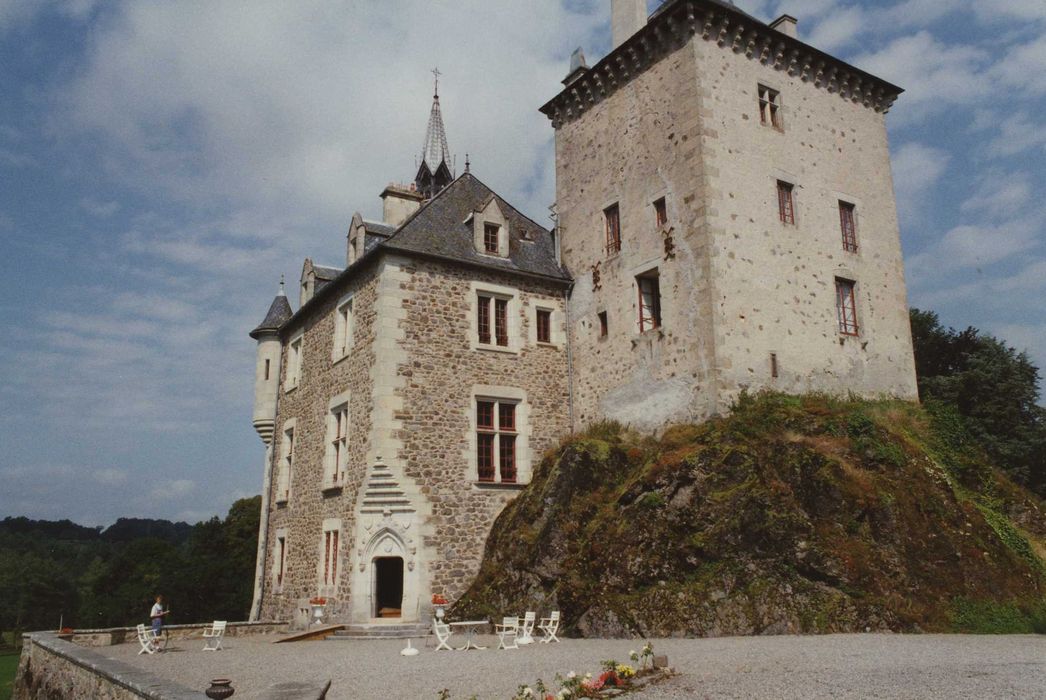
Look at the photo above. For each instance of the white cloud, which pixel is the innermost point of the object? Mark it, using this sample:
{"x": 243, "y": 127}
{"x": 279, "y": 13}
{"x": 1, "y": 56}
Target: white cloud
{"x": 1017, "y": 134}
{"x": 110, "y": 477}
{"x": 1024, "y": 66}
{"x": 975, "y": 246}
{"x": 102, "y": 210}
{"x": 173, "y": 490}
{"x": 1000, "y": 195}
{"x": 916, "y": 168}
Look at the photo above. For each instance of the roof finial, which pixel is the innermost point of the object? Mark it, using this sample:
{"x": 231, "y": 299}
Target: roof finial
{"x": 467, "y": 163}
{"x": 281, "y": 293}
{"x": 437, "y": 74}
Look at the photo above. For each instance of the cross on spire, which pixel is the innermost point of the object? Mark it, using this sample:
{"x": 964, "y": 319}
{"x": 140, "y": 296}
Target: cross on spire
{"x": 437, "y": 74}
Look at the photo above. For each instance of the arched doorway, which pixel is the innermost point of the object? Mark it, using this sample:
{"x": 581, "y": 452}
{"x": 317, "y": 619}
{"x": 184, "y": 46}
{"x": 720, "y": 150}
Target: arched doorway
{"x": 388, "y": 587}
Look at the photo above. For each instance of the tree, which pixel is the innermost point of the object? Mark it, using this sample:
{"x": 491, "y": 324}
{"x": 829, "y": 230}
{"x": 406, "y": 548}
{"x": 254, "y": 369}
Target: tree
{"x": 992, "y": 386}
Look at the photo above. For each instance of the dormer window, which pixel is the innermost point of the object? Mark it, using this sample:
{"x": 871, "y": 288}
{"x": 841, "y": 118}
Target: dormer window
{"x": 491, "y": 236}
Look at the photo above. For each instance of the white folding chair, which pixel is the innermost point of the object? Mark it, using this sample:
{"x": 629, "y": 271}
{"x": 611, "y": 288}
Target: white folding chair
{"x": 145, "y": 638}
{"x": 213, "y": 636}
{"x": 526, "y": 628}
{"x": 442, "y": 631}
{"x": 549, "y": 626}
{"x": 507, "y": 631}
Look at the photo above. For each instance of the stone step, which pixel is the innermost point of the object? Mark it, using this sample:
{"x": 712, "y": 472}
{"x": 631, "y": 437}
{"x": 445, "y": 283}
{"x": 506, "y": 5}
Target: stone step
{"x": 410, "y": 631}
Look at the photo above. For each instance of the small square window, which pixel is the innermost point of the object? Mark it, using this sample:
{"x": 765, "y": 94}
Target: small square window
{"x": 604, "y": 327}
{"x": 544, "y": 323}
{"x": 785, "y": 202}
{"x": 660, "y": 212}
{"x": 612, "y": 216}
{"x": 770, "y": 107}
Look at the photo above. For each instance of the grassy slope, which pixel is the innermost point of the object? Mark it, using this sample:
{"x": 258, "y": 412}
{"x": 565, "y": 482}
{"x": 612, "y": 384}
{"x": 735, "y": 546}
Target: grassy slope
{"x": 794, "y": 514}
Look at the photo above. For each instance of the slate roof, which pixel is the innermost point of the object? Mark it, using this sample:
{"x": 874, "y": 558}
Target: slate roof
{"x": 438, "y": 229}
{"x": 377, "y": 228}
{"x": 279, "y": 313}
{"x": 325, "y": 273}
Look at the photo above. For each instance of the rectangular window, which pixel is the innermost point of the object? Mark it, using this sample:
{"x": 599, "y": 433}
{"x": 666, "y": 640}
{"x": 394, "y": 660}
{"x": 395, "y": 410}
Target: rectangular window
{"x": 773, "y": 365}
{"x": 490, "y": 238}
{"x": 660, "y": 212}
{"x": 848, "y": 226}
{"x": 613, "y": 229}
{"x": 294, "y": 363}
{"x": 339, "y": 443}
{"x": 785, "y": 202}
{"x": 501, "y": 322}
{"x": 343, "y": 330}
{"x": 649, "y": 301}
{"x": 496, "y": 442}
{"x": 283, "y": 484}
{"x": 846, "y": 306}
{"x": 330, "y": 557}
{"x": 267, "y": 362}
{"x": 281, "y": 559}
{"x": 483, "y": 319}
{"x": 544, "y": 322}
{"x": 604, "y": 326}
{"x": 485, "y": 442}
{"x": 770, "y": 107}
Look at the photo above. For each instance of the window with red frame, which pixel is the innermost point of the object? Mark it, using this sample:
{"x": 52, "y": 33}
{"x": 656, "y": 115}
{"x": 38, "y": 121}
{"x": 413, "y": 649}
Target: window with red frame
{"x": 846, "y": 306}
{"x": 501, "y": 322}
{"x": 660, "y": 212}
{"x": 649, "y": 301}
{"x": 496, "y": 435}
{"x": 848, "y": 225}
{"x": 612, "y": 216}
{"x": 544, "y": 323}
{"x": 490, "y": 238}
{"x": 786, "y": 202}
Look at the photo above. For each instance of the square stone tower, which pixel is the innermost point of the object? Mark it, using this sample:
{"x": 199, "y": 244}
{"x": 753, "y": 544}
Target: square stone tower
{"x": 726, "y": 208}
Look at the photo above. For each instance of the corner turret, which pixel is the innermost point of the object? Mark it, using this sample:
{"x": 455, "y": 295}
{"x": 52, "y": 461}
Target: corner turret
{"x": 267, "y": 367}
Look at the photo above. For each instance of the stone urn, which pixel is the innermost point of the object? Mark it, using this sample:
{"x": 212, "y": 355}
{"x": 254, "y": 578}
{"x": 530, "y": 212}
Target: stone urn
{"x": 220, "y": 689}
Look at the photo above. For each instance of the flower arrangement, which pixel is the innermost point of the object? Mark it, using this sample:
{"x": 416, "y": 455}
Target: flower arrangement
{"x": 317, "y": 601}
{"x": 613, "y": 677}
{"x": 438, "y": 599}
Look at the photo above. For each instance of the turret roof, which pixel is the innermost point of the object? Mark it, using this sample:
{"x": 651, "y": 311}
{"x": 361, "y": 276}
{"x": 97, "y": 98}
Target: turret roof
{"x": 279, "y": 313}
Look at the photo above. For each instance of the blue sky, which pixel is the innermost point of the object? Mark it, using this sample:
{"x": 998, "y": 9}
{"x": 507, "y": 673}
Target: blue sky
{"x": 161, "y": 164}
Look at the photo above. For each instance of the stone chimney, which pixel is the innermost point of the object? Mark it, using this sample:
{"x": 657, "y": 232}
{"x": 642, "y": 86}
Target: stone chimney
{"x": 786, "y": 24}
{"x": 626, "y": 18}
{"x": 400, "y": 202}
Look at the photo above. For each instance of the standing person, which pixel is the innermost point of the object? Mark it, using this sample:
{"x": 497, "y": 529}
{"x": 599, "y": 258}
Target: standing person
{"x": 157, "y": 614}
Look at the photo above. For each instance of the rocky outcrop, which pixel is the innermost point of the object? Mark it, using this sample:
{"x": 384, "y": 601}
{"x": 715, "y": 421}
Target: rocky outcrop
{"x": 793, "y": 515}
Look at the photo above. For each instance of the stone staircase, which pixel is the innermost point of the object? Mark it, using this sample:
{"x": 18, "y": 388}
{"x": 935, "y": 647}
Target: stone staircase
{"x": 410, "y": 630}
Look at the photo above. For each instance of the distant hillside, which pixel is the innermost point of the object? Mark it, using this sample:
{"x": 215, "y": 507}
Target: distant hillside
{"x": 791, "y": 515}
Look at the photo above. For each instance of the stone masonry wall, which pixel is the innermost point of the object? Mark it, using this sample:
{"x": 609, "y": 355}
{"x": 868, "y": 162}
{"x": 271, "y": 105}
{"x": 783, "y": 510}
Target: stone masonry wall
{"x": 775, "y": 282}
{"x": 438, "y": 405}
{"x": 639, "y": 144}
{"x": 308, "y": 506}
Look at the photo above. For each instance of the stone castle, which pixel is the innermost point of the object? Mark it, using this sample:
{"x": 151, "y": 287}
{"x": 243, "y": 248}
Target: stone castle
{"x": 724, "y": 221}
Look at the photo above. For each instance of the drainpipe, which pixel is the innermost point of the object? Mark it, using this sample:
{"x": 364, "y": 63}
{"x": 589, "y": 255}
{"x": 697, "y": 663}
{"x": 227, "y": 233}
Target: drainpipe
{"x": 570, "y": 358}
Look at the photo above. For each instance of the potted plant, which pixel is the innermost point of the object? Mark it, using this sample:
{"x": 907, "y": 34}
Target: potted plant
{"x": 440, "y": 602}
{"x": 317, "y": 604}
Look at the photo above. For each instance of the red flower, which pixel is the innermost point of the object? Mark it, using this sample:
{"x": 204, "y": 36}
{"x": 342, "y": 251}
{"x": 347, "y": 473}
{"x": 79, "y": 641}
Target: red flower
{"x": 439, "y": 600}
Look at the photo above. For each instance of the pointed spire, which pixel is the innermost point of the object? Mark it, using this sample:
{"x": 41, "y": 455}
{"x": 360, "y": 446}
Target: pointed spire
{"x": 434, "y": 172}
{"x": 282, "y": 292}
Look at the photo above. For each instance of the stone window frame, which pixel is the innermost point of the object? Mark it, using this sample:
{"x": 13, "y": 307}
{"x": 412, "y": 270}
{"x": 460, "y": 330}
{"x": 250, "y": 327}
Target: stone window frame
{"x": 295, "y": 351}
{"x": 512, "y": 312}
{"x": 660, "y": 212}
{"x": 524, "y": 456}
{"x": 849, "y": 235}
{"x": 771, "y": 106}
{"x": 329, "y": 569}
{"x": 787, "y": 211}
{"x": 280, "y": 546}
{"x": 344, "y": 328}
{"x": 334, "y": 474}
{"x": 557, "y": 332}
{"x": 604, "y": 324}
{"x": 612, "y": 233}
{"x": 285, "y": 466}
{"x": 490, "y": 214}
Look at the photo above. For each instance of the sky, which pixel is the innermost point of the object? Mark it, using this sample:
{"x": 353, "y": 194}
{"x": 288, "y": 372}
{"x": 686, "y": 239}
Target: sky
{"x": 162, "y": 164}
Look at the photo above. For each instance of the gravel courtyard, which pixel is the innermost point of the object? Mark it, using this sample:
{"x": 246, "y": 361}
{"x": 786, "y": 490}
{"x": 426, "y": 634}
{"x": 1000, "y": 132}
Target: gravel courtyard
{"x": 835, "y": 666}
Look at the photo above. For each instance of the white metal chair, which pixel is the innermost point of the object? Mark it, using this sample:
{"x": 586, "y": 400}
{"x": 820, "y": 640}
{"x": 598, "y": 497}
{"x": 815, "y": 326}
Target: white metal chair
{"x": 526, "y": 628}
{"x": 213, "y": 636}
{"x": 146, "y": 639}
{"x": 549, "y": 626}
{"x": 442, "y": 631}
{"x": 507, "y": 631}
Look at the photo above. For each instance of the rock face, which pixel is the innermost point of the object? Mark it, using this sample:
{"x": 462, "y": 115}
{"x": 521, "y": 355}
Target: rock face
{"x": 793, "y": 515}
